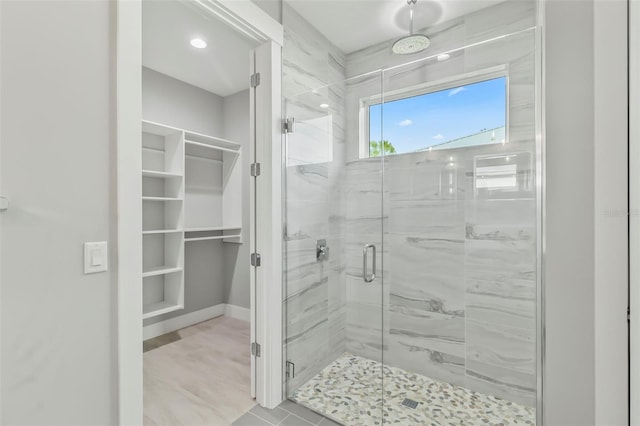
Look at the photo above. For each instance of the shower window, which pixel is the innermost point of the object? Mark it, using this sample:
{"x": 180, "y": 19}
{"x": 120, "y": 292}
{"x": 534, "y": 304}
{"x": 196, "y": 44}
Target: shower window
{"x": 467, "y": 112}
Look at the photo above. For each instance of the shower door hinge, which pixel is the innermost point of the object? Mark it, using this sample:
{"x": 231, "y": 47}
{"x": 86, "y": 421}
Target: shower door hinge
{"x": 255, "y": 79}
{"x": 289, "y": 125}
{"x": 255, "y": 169}
{"x": 255, "y": 259}
{"x": 255, "y": 349}
{"x": 291, "y": 370}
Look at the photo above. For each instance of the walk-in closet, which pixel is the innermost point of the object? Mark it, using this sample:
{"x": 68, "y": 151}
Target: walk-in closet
{"x": 195, "y": 197}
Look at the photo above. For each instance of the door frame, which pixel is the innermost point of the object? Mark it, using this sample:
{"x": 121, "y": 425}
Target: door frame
{"x": 248, "y": 19}
{"x": 634, "y": 212}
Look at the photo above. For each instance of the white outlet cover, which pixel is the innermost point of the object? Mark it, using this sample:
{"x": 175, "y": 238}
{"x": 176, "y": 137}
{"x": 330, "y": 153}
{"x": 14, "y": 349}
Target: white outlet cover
{"x": 95, "y": 257}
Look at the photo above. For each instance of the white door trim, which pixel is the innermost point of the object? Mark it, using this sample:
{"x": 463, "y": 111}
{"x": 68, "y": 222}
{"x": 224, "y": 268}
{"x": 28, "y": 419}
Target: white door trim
{"x": 267, "y": 217}
{"x": 129, "y": 222}
{"x": 249, "y": 19}
{"x": 634, "y": 213}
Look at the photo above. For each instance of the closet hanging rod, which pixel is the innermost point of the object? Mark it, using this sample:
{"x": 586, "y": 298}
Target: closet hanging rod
{"x": 217, "y": 237}
{"x": 196, "y": 157}
{"x": 148, "y": 148}
{"x": 206, "y": 145}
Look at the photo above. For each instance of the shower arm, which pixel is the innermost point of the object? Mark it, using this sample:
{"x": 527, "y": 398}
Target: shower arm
{"x": 411, "y": 3}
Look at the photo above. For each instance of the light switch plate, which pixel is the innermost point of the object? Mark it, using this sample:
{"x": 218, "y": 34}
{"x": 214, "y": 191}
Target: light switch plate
{"x": 95, "y": 257}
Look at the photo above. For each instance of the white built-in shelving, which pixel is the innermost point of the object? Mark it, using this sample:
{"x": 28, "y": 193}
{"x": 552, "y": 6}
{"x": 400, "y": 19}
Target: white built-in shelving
{"x": 163, "y": 219}
{"x": 191, "y": 191}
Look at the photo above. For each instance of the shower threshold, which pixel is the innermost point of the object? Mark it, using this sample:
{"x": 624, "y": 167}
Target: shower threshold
{"x": 349, "y": 391}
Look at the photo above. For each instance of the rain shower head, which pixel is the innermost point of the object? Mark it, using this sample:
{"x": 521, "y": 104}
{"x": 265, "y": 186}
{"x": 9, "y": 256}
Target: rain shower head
{"x": 413, "y": 43}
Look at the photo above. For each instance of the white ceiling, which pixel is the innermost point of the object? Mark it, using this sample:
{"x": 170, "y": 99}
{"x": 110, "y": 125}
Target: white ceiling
{"x": 355, "y": 24}
{"x": 167, "y": 28}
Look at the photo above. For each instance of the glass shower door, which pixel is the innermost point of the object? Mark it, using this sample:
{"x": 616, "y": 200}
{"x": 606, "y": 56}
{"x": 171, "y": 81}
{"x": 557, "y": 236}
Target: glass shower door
{"x": 461, "y": 256}
{"x": 333, "y": 254}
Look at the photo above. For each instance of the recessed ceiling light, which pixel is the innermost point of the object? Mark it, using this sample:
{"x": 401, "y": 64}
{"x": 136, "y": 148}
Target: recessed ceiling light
{"x": 324, "y": 105}
{"x": 443, "y": 57}
{"x": 198, "y": 43}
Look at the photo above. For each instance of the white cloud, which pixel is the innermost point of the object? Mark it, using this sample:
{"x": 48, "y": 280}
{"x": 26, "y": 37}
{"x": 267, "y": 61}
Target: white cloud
{"x": 457, "y": 90}
{"x": 438, "y": 136}
{"x": 405, "y": 123}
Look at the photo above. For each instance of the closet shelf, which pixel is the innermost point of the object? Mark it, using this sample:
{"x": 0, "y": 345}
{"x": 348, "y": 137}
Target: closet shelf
{"x": 156, "y": 174}
{"x": 211, "y": 140}
{"x": 215, "y": 237}
{"x": 160, "y": 270}
{"x": 161, "y": 231}
{"x": 213, "y": 228}
{"x": 207, "y": 151}
{"x": 161, "y": 199}
{"x": 155, "y": 309}
{"x": 164, "y": 130}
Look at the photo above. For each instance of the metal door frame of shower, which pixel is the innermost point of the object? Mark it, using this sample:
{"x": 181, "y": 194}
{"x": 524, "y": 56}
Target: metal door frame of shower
{"x": 254, "y": 23}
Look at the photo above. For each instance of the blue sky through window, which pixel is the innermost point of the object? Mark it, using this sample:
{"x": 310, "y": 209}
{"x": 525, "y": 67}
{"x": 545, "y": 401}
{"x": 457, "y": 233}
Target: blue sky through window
{"x": 418, "y": 122}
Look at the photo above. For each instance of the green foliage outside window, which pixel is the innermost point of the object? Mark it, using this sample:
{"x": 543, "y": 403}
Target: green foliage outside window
{"x": 376, "y": 148}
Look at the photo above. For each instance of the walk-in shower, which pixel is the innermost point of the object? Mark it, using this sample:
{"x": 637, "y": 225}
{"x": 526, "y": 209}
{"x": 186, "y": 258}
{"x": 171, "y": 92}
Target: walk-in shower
{"x": 421, "y": 180}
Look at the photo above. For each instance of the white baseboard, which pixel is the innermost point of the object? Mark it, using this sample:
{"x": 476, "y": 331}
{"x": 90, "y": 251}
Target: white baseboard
{"x": 172, "y": 324}
{"x": 238, "y": 312}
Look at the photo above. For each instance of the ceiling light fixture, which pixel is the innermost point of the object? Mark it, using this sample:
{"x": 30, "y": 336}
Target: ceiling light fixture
{"x": 198, "y": 43}
{"x": 413, "y": 43}
{"x": 443, "y": 57}
{"x": 324, "y": 105}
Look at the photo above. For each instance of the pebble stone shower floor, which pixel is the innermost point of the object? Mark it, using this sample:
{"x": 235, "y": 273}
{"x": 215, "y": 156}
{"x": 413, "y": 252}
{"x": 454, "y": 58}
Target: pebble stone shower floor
{"x": 348, "y": 391}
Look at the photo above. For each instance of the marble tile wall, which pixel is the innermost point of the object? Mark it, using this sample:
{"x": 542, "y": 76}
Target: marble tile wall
{"x": 454, "y": 297}
{"x": 458, "y": 284}
{"x": 315, "y": 304}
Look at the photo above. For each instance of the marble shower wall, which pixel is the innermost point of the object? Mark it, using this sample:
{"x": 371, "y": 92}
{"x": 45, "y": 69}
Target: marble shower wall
{"x": 458, "y": 285}
{"x": 315, "y": 296}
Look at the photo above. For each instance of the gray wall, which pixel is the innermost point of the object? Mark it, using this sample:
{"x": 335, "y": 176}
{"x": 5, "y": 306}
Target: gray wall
{"x": 236, "y": 256}
{"x": 58, "y": 333}
{"x": 175, "y": 103}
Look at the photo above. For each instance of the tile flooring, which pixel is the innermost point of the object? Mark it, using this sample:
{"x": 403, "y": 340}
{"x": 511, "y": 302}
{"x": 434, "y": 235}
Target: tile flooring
{"x": 200, "y": 375}
{"x": 286, "y": 414}
{"x": 350, "y": 390}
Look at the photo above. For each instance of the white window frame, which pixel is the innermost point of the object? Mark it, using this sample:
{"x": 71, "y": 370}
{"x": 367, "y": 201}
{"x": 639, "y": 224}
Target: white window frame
{"x": 448, "y": 83}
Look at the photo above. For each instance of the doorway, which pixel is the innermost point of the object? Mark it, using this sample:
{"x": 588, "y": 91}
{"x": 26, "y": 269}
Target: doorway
{"x": 192, "y": 116}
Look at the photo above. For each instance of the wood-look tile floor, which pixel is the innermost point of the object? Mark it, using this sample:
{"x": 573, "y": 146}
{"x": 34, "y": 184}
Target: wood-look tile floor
{"x": 201, "y": 377}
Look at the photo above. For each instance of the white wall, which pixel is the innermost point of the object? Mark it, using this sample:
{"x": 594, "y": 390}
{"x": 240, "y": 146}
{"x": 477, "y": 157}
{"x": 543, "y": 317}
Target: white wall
{"x": 58, "y": 333}
{"x": 611, "y": 220}
{"x": 569, "y": 274}
{"x": 585, "y": 261}
{"x": 272, "y": 7}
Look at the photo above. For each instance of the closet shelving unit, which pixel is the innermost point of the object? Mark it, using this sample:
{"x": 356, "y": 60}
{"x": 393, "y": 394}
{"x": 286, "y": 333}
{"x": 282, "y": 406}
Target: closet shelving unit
{"x": 191, "y": 191}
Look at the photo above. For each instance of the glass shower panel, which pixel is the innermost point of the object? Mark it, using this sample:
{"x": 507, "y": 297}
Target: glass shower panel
{"x": 461, "y": 237}
{"x": 333, "y": 253}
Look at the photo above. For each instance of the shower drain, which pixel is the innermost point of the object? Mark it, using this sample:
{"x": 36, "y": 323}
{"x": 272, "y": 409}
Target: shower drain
{"x": 410, "y": 403}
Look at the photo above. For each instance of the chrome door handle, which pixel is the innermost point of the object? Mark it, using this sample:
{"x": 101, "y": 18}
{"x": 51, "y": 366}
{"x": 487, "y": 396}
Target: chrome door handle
{"x": 365, "y": 251}
{"x": 4, "y": 204}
